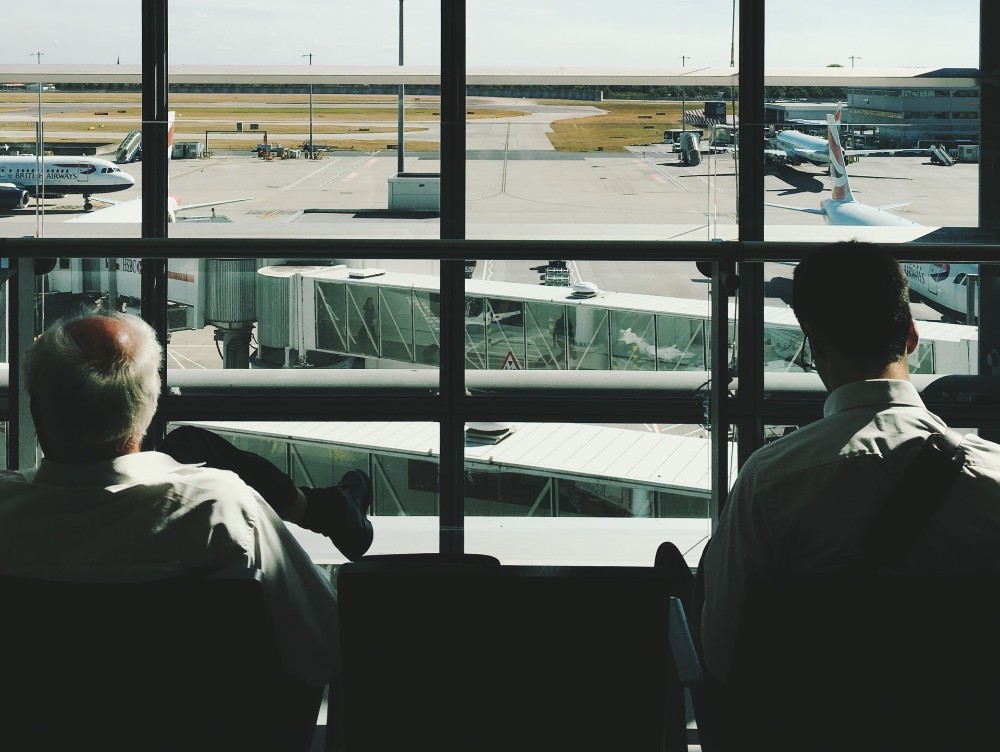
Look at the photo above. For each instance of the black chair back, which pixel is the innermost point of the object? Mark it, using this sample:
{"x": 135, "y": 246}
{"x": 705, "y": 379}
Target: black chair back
{"x": 865, "y": 662}
{"x": 180, "y": 664}
{"x": 451, "y": 657}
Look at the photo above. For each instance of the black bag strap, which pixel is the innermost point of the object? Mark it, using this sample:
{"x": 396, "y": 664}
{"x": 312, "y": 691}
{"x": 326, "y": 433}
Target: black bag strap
{"x": 919, "y": 493}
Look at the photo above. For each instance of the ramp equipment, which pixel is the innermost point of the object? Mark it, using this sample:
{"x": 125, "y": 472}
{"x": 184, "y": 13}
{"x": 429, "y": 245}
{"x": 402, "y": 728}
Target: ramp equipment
{"x": 940, "y": 156}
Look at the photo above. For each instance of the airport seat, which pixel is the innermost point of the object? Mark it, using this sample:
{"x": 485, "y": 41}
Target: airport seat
{"x": 834, "y": 662}
{"x": 456, "y": 656}
{"x": 179, "y": 664}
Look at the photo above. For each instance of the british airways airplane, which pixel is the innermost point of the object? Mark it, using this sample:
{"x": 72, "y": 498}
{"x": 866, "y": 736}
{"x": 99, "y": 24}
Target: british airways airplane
{"x": 87, "y": 176}
{"x": 944, "y": 287}
{"x": 131, "y": 211}
{"x": 797, "y": 147}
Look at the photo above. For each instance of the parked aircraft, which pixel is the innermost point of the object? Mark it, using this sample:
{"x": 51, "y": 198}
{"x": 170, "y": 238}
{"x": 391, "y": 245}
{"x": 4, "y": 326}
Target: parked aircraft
{"x": 60, "y": 176}
{"x": 131, "y": 211}
{"x": 796, "y": 148}
{"x": 943, "y": 287}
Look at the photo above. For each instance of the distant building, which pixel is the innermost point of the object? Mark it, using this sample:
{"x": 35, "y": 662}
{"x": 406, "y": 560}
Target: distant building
{"x": 909, "y": 116}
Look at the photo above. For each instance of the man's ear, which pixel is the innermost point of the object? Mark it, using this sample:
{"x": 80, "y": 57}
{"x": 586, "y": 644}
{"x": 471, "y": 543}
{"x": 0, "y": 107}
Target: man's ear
{"x": 816, "y": 344}
{"x": 39, "y": 420}
{"x": 912, "y": 338}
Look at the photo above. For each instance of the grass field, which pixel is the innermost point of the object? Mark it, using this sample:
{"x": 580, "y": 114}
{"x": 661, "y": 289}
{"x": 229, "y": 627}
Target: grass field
{"x": 623, "y": 122}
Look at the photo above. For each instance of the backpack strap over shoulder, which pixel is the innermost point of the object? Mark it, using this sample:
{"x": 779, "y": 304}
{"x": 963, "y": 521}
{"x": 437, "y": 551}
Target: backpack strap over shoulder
{"x": 915, "y": 498}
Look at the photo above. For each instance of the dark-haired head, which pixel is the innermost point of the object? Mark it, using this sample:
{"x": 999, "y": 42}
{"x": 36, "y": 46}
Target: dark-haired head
{"x": 854, "y": 296}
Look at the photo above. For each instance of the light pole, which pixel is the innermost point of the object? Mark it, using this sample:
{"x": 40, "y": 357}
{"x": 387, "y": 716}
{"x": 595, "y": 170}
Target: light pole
{"x": 684, "y": 58}
{"x": 39, "y": 158}
{"x": 311, "y": 152}
{"x": 399, "y": 129}
{"x": 852, "y": 58}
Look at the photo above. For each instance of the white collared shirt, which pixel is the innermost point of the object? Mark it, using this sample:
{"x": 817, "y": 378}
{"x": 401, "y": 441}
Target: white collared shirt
{"x": 801, "y": 503}
{"x": 145, "y": 516}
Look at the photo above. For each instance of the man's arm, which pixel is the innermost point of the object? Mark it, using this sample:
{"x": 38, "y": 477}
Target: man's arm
{"x": 741, "y": 546}
{"x": 301, "y": 600}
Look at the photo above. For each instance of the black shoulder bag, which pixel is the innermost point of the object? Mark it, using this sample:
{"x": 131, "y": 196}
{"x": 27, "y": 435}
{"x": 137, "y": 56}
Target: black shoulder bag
{"x": 918, "y": 494}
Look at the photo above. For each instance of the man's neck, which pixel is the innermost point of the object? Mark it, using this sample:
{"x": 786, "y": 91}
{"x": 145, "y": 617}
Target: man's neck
{"x": 899, "y": 370}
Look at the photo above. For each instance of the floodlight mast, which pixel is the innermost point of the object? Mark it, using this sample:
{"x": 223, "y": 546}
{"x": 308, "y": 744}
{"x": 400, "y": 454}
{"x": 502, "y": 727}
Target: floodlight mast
{"x": 311, "y": 145}
{"x": 399, "y": 133}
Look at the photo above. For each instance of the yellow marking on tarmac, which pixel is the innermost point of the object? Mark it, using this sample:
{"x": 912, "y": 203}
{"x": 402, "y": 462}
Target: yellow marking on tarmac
{"x": 269, "y": 213}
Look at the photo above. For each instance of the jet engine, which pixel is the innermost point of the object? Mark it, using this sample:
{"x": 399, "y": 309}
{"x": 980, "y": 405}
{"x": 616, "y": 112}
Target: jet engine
{"x": 12, "y": 197}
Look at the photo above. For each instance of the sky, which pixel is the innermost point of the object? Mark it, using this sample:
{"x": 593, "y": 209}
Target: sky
{"x": 571, "y": 33}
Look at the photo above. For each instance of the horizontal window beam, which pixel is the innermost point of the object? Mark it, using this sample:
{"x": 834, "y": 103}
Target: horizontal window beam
{"x": 980, "y": 247}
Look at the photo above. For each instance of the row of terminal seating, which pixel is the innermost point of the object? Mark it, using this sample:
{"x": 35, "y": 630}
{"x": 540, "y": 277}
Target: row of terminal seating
{"x": 451, "y": 653}
{"x": 466, "y": 654}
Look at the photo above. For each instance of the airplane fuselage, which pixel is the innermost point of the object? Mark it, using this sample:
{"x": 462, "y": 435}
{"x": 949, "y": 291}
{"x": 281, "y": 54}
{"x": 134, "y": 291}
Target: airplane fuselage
{"x": 802, "y": 146}
{"x": 855, "y": 213}
{"x": 64, "y": 175}
{"x": 944, "y": 287}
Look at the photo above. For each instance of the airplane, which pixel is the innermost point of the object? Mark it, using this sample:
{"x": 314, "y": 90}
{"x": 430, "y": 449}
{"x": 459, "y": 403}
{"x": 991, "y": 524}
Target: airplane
{"x": 61, "y": 175}
{"x": 943, "y": 287}
{"x": 797, "y": 148}
{"x": 131, "y": 211}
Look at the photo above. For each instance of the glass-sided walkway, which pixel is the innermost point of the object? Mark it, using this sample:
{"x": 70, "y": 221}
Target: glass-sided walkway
{"x": 391, "y": 319}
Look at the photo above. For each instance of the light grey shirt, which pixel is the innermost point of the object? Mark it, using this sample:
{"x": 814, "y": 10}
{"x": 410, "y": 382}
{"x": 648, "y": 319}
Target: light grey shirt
{"x": 144, "y": 516}
{"x": 802, "y": 503}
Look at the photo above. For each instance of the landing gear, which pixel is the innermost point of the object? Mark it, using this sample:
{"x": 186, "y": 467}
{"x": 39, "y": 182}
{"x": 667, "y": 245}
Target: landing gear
{"x": 87, "y": 206}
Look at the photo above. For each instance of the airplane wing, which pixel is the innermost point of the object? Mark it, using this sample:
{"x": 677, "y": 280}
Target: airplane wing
{"x": 796, "y": 208}
{"x": 212, "y": 203}
{"x": 131, "y": 210}
{"x": 119, "y": 211}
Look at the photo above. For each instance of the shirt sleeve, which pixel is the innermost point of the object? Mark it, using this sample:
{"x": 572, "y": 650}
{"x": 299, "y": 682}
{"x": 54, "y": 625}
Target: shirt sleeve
{"x": 741, "y": 546}
{"x": 301, "y": 600}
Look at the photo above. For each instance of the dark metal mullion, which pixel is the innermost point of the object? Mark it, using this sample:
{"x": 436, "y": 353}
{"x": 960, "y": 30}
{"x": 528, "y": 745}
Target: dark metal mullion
{"x": 750, "y": 213}
{"x": 154, "y": 159}
{"x": 745, "y": 415}
{"x": 989, "y": 186}
{"x": 452, "y": 298}
{"x": 22, "y": 289}
{"x": 750, "y": 297}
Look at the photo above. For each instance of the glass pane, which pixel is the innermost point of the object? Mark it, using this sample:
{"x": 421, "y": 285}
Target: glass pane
{"x": 942, "y": 296}
{"x": 314, "y": 150}
{"x": 905, "y": 121}
{"x": 68, "y": 139}
{"x": 578, "y": 144}
{"x": 249, "y": 313}
{"x": 591, "y": 316}
{"x": 427, "y": 327}
{"x": 549, "y": 492}
{"x": 396, "y": 307}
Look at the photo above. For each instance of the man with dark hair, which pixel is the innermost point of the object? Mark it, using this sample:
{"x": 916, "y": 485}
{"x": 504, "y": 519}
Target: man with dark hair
{"x": 803, "y": 503}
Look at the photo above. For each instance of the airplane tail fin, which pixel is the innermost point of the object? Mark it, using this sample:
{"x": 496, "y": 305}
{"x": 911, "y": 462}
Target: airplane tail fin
{"x": 840, "y": 185}
{"x": 170, "y": 133}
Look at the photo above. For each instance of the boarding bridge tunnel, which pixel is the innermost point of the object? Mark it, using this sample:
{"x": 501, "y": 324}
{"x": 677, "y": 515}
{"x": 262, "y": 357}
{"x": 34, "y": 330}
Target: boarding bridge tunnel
{"x": 341, "y": 317}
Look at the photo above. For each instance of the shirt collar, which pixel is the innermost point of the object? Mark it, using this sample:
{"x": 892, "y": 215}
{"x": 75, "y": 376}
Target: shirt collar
{"x": 118, "y": 471}
{"x": 879, "y": 393}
